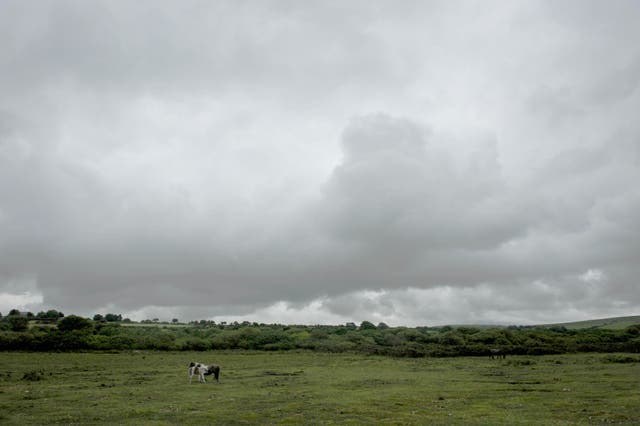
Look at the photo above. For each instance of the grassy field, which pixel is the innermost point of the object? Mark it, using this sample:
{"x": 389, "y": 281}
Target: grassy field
{"x": 316, "y": 388}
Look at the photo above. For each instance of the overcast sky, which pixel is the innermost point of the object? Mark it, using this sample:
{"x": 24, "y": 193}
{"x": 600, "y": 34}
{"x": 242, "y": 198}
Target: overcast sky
{"x": 416, "y": 163}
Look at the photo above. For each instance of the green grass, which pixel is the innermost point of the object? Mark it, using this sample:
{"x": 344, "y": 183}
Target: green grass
{"x": 153, "y": 324}
{"x": 316, "y": 388}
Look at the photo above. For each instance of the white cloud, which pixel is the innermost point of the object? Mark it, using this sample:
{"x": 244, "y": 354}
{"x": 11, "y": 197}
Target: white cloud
{"x": 593, "y": 276}
{"x": 24, "y": 302}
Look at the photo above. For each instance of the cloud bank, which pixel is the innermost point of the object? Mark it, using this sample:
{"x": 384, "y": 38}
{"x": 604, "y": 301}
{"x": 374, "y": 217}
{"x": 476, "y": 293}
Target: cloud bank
{"x": 413, "y": 164}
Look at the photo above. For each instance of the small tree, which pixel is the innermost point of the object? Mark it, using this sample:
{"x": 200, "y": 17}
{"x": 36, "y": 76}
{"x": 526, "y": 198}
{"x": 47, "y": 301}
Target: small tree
{"x": 98, "y": 318}
{"x": 113, "y": 317}
{"x": 14, "y": 312}
{"x": 18, "y": 323}
{"x": 74, "y": 322}
{"x": 52, "y": 314}
{"x": 175, "y": 320}
{"x": 366, "y": 325}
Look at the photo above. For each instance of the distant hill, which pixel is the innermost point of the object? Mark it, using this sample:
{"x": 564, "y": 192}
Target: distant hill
{"x": 616, "y": 323}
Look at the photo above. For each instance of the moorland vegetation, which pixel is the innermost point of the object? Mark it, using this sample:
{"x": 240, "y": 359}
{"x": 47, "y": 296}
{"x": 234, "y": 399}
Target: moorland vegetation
{"x": 53, "y": 331}
{"x": 304, "y": 387}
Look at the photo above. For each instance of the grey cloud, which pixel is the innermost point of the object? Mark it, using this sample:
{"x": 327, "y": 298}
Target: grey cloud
{"x": 261, "y": 49}
{"x": 225, "y": 156}
{"x": 397, "y": 212}
{"x": 398, "y": 188}
{"x": 619, "y": 84}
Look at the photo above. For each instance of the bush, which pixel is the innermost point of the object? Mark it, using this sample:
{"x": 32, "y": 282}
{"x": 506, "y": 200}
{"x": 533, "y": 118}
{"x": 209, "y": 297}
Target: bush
{"x": 162, "y": 342}
{"x": 107, "y": 329}
{"x": 366, "y": 325}
{"x": 18, "y": 323}
{"x": 113, "y": 317}
{"x": 73, "y": 340}
{"x": 74, "y": 322}
{"x": 409, "y": 349}
{"x": 194, "y": 344}
{"x": 633, "y": 330}
{"x": 121, "y": 342}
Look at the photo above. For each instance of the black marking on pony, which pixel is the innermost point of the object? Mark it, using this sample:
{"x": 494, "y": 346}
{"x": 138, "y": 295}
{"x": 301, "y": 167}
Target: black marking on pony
{"x": 203, "y": 370}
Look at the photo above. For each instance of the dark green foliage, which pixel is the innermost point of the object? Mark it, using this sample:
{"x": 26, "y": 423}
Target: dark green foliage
{"x": 77, "y": 333}
{"x": 53, "y": 314}
{"x": 18, "y": 323}
{"x": 366, "y": 325}
{"x": 107, "y": 329}
{"x": 113, "y": 317}
{"x": 634, "y": 330}
{"x": 74, "y": 322}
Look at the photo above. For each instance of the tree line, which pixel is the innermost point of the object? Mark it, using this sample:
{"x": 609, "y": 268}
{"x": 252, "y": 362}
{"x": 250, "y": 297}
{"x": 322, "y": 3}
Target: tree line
{"x": 111, "y": 332}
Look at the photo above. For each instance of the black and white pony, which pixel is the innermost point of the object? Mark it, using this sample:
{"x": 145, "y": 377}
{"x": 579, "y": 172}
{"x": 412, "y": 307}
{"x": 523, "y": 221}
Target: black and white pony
{"x": 203, "y": 370}
{"x": 497, "y": 354}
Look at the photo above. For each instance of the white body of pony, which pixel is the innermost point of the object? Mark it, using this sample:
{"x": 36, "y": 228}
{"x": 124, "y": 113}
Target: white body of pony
{"x": 203, "y": 370}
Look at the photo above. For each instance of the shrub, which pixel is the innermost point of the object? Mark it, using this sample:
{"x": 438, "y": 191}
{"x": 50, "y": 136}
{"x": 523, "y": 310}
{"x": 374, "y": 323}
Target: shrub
{"x": 194, "y": 344}
{"x": 121, "y": 342}
{"x": 319, "y": 334}
{"x": 106, "y": 329}
{"x": 409, "y": 349}
{"x": 633, "y": 330}
{"x": 113, "y": 317}
{"x": 18, "y": 323}
{"x": 366, "y": 325}
{"x": 74, "y": 322}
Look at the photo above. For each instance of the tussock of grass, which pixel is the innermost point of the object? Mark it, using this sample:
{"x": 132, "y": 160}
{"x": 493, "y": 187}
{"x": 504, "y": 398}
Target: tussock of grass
{"x": 621, "y": 359}
{"x": 33, "y": 375}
